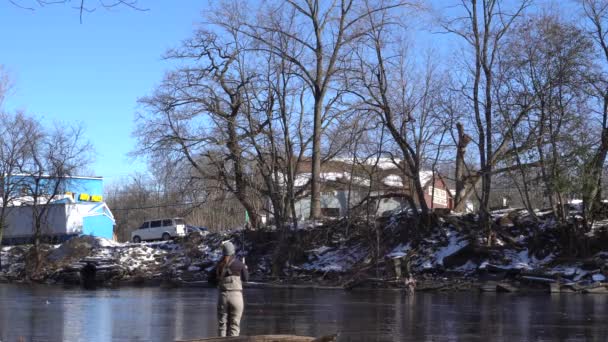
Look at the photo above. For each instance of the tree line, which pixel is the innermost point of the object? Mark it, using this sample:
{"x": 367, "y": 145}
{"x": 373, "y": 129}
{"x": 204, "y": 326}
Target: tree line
{"x": 522, "y": 97}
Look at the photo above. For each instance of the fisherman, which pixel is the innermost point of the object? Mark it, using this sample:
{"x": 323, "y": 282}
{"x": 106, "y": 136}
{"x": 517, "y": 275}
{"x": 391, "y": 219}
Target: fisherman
{"x": 231, "y": 273}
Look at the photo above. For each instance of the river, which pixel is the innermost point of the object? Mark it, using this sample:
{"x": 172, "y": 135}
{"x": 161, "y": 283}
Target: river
{"x": 44, "y": 313}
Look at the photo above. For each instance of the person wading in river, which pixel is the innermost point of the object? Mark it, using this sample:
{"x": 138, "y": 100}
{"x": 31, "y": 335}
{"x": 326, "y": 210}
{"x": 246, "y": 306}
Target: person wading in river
{"x": 231, "y": 273}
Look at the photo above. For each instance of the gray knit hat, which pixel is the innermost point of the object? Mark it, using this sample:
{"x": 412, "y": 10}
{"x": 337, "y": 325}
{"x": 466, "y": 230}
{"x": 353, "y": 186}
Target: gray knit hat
{"x": 227, "y": 248}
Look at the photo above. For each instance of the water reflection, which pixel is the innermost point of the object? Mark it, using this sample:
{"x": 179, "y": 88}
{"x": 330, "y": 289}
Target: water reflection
{"x": 42, "y": 313}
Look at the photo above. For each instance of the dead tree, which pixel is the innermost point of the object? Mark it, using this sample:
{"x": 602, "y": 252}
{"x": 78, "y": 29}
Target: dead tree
{"x": 483, "y": 27}
{"x": 461, "y": 149}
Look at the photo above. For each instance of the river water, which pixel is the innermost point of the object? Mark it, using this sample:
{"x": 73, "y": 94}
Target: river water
{"x": 41, "y": 313}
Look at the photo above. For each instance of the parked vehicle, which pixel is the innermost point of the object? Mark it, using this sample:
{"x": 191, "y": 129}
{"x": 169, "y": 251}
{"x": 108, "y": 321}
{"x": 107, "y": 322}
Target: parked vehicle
{"x": 164, "y": 229}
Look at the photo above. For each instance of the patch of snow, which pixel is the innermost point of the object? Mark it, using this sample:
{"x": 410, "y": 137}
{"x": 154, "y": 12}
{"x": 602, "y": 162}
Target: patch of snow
{"x": 580, "y": 275}
{"x": 334, "y": 260}
{"x": 499, "y": 213}
{"x": 598, "y": 224}
{"x": 319, "y": 250}
{"x": 570, "y": 271}
{"x": 574, "y": 272}
{"x": 522, "y": 260}
{"x": 393, "y": 180}
{"x": 455, "y": 244}
{"x": 598, "y": 277}
{"x": 399, "y": 251}
{"x": 103, "y": 242}
{"x": 386, "y": 165}
{"x": 333, "y": 176}
{"x": 302, "y": 179}
{"x": 539, "y": 212}
{"x": 194, "y": 268}
{"x": 425, "y": 177}
{"x": 470, "y": 266}
{"x": 361, "y": 181}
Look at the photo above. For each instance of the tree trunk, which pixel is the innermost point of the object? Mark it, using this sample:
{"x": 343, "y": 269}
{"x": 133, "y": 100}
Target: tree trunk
{"x": 315, "y": 200}
{"x": 593, "y": 178}
{"x": 463, "y": 141}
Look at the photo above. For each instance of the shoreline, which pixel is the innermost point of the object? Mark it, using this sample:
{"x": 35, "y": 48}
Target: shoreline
{"x": 426, "y": 286}
{"x": 451, "y": 257}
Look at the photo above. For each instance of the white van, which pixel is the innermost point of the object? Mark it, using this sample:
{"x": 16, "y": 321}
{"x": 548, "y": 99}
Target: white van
{"x": 164, "y": 229}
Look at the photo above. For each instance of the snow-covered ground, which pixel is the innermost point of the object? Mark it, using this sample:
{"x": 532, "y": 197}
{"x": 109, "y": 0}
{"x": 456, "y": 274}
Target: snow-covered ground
{"x": 448, "y": 248}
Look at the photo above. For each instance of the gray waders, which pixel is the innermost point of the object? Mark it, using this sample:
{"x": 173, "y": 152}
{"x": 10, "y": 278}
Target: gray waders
{"x": 230, "y": 303}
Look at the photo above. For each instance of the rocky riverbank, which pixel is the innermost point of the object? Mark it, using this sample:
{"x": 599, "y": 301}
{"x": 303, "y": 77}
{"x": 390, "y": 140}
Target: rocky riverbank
{"x": 527, "y": 253}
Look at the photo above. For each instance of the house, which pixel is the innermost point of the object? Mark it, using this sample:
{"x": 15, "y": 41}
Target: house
{"x": 345, "y": 185}
{"x": 76, "y": 208}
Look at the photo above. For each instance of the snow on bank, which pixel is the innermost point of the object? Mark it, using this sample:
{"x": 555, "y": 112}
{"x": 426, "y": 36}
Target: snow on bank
{"x": 103, "y": 242}
{"x": 340, "y": 259}
{"x": 400, "y": 251}
{"x": 455, "y": 244}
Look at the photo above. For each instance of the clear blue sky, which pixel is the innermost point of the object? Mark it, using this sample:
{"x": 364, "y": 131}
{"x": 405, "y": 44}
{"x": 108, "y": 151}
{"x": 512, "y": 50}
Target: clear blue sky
{"x": 92, "y": 72}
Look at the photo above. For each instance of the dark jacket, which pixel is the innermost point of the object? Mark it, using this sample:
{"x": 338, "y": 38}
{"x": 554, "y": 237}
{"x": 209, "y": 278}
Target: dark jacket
{"x": 231, "y": 278}
{"x": 238, "y": 268}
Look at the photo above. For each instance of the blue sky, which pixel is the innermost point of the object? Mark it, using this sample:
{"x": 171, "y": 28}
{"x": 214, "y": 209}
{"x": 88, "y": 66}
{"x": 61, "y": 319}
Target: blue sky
{"x": 92, "y": 73}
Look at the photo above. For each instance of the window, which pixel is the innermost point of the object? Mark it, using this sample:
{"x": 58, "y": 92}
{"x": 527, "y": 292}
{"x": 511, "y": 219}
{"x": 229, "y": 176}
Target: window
{"x": 146, "y": 225}
{"x": 155, "y": 224}
{"x": 167, "y": 223}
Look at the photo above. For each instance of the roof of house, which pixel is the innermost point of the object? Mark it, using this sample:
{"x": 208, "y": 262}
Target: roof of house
{"x": 384, "y": 173}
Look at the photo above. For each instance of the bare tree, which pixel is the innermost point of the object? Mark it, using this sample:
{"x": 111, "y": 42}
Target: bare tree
{"x": 551, "y": 61}
{"x": 15, "y": 131}
{"x": 321, "y": 33}
{"x": 54, "y": 156}
{"x": 483, "y": 27}
{"x": 196, "y": 116}
{"x": 597, "y": 14}
{"x": 405, "y": 99}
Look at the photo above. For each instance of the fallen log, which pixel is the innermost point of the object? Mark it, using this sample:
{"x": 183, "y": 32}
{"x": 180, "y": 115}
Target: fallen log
{"x": 266, "y": 338}
{"x": 505, "y": 287}
{"x": 598, "y": 289}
